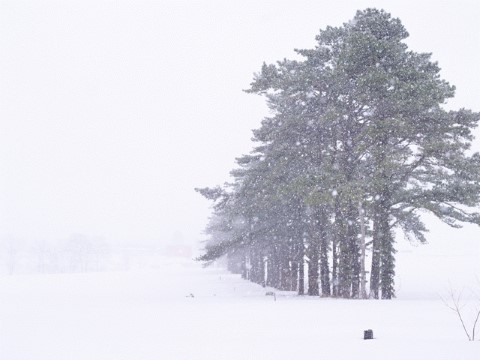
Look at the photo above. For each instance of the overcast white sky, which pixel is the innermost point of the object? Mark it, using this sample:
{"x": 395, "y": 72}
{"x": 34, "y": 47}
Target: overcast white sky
{"x": 111, "y": 112}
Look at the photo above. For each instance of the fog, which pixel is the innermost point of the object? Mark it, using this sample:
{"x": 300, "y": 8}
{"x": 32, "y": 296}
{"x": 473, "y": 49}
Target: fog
{"x": 112, "y": 112}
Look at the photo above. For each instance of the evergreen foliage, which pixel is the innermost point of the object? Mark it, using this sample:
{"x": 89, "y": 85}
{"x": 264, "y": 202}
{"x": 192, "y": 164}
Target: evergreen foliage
{"x": 357, "y": 132}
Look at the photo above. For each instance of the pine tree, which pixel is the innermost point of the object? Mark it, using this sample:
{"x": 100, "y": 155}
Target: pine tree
{"x": 359, "y": 120}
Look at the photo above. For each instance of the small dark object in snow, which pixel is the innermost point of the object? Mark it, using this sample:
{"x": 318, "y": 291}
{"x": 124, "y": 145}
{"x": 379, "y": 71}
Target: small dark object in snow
{"x": 271, "y": 293}
{"x": 190, "y": 295}
{"x": 368, "y": 334}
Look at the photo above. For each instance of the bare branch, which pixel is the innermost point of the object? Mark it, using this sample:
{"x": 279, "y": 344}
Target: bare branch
{"x": 456, "y": 307}
{"x": 475, "y": 325}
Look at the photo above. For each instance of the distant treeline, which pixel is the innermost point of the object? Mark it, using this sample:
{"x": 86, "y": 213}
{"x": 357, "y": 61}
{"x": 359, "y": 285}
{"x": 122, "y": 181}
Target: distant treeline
{"x": 76, "y": 254}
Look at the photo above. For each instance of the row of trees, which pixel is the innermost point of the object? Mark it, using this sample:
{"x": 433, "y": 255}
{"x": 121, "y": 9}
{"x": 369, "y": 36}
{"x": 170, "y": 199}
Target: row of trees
{"x": 78, "y": 253}
{"x": 357, "y": 145}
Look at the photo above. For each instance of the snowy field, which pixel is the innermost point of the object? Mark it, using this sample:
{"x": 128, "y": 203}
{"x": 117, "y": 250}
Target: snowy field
{"x": 150, "y": 314}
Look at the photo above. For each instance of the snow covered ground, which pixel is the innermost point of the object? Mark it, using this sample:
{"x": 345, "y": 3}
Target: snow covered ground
{"x": 151, "y": 314}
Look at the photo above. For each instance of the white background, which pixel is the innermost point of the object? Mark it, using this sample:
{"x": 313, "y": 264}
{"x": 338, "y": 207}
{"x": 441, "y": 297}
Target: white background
{"x": 111, "y": 112}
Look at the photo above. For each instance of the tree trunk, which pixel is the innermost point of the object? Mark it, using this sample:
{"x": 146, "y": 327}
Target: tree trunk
{"x": 273, "y": 271}
{"x": 324, "y": 265}
{"x": 387, "y": 261}
{"x": 262, "y": 271}
{"x": 363, "y": 278}
{"x": 301, "y": 268}
{"x": 313, "y": 270}
{"x": 257, "y": 269}
{"x": 254, "y": 270}
{"x": 354, "y": 254}
{"x": 375, "y": 271}
{"x": 383, "y": 252}
{"x": 294, "y": 276}
{"x": 301, "y": 276}
{"x": 244, "y": 267}
{"x": 344, "y": 264}
{"x": 337, "y": 236}
{"x": 349, "y": 265}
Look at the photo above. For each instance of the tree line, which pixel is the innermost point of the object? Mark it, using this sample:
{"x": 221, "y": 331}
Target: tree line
{"x": 357, "y": 145}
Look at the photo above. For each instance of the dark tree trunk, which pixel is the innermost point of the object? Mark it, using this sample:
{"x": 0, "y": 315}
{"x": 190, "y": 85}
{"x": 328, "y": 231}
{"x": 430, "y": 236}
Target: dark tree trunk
{"x": 324, "y": 268}
{"x": 352, "y": 234}
{"x": 301, "y": 265}
{"x": 273, "y": 271}
{"x": 324, "y": 244}
{"x": 294, "y": 276}
{"x": 337, "y": 237}
{"x": 313, "y": 289}
{"x": 375, "y": 271}
{"x": 335, "y": 265}
{"x": 285, "y": 274}
{"x": 262, "y": 271}
{"x": 257, "y": 269}
{"x": 387, "y": 260}
{"x": 244, "y": 267}
{"x": 301, "y": 277}
{"x": 349, "y": 262}
{"x": 254, "y": 270}
{"x": 383, "y": 253}
{"x": 344, "y": 263}
{"x": 386, "y": 250}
